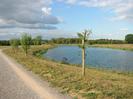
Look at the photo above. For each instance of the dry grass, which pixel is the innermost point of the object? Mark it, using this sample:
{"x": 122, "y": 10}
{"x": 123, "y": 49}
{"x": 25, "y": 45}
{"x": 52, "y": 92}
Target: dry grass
{"x": 2, "y": 47}
{"x": 116, "y": 46}
{"x": 97, "y": 84}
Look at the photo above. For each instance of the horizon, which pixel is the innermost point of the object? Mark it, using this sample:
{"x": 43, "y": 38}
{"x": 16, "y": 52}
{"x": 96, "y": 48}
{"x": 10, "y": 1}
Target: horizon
{"x": 59, "y": 38}
{"x": 108, "y": 19}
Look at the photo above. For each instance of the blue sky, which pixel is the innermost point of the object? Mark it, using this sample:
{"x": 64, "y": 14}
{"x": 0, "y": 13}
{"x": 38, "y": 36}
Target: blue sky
{"x": 108, "y": 19}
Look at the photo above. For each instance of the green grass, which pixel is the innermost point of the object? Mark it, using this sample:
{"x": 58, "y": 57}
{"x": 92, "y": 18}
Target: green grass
{"x": 97, "y": 84}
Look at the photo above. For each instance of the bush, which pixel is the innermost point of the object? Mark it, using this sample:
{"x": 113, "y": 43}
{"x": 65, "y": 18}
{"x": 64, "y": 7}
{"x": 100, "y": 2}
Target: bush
{"x": 14, "y": 43}
{"x": 25, "y": 42}
{"x": 129, "y": 38}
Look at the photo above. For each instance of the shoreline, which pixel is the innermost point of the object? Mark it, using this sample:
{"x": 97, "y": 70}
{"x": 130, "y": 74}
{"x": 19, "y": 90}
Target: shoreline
{"x": 126, "y": 47}
{"x": 40, "y": 53}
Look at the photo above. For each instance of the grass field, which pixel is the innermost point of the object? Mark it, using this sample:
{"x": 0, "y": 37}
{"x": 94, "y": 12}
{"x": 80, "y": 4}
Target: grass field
{"x": 2, "y": 47}
{"x": 97, "y": 84}
{"x": 115, "y": 46}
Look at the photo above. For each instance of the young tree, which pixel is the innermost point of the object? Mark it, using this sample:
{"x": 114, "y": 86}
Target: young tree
{"x": 83, "y": 36}
{"x": 25, "y": 42}
{"x": 14, "y": 43}
{"x": 37, "y": 40}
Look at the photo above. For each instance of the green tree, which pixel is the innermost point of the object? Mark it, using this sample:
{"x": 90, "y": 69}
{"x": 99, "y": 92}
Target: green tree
{"x": 83, "y": 36}
{"x": 37, "y": 40}
{"x": 129, "y": 38}
{"x": 26, "y": 42}
{"x": 14, "y": 43}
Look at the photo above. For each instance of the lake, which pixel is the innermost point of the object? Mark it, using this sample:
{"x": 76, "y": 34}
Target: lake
{"x": 95, "y": 57}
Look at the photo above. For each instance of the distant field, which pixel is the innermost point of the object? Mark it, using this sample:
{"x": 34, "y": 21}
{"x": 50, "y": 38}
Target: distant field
{"x": 1, "y": 47}
{"x": 116, "y": 46}
{"x": 97, "y": 84}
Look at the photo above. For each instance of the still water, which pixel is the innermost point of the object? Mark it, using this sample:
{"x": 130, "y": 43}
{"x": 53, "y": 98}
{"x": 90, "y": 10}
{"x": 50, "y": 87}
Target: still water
{"x": 95, "y": 57}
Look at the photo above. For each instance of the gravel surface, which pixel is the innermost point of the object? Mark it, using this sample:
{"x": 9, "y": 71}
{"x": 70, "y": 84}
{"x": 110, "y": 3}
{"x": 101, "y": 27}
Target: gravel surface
{"x": 17, "y": 83}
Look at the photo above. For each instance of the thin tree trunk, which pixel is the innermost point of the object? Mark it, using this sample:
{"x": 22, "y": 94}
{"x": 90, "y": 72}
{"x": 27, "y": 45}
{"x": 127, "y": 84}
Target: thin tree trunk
{"x": 83, "y": 58}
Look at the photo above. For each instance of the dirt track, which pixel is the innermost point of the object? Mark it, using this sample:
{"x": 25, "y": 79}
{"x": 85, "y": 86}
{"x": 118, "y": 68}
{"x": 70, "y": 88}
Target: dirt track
{"x": 17, "y": 83}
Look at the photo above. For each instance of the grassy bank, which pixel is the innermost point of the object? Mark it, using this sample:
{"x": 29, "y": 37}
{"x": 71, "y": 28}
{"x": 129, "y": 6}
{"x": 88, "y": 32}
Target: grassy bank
{"x": 97, "y": 84}
{"x": 115, "y": 46}
{"x": 2, "y": 47}
{"x": 112, "y": 46}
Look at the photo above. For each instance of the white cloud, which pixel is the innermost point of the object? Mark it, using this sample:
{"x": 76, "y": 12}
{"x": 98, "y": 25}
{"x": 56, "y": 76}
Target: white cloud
{"x": 97, "y": 3}
{"x": 47, "y": 11}
{"x": 124, "y": 29}
{"x": 122, "y": 9}
{"x": 46, "y": 34}
{"x": 68, "y": 1}
{"x": 71, "y": 1}
{"x": 27, "y": 14}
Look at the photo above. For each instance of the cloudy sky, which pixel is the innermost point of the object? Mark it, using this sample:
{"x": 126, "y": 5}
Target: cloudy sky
{"x": 111, "y": 19}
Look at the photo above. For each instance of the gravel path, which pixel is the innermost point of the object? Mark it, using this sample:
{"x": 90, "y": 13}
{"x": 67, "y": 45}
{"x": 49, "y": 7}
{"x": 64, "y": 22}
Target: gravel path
{"x": 17, "y": 83}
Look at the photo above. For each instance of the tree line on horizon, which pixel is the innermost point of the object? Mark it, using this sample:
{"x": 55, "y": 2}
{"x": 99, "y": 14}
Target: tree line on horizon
{"x": 91, "y": 42}
{"x": 36, "y": 41}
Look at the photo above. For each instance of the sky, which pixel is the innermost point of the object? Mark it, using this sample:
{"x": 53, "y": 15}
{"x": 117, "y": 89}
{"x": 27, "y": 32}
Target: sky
{"x": 108, "y": 19}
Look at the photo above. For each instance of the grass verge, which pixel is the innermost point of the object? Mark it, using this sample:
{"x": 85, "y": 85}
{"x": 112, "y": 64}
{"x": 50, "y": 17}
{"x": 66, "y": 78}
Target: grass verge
{"x": 97, "y": 84}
